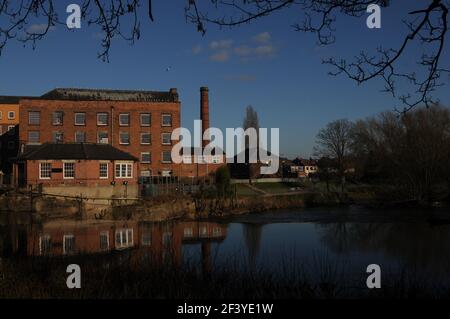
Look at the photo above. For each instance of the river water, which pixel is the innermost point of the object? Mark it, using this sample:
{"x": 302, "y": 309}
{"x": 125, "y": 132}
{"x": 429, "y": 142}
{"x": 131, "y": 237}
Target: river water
{"x": 336, "y": 241}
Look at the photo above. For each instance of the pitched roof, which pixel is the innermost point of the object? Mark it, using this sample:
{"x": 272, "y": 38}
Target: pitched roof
{"x": 111, "y": 95}
{"x": 74, "y": 151}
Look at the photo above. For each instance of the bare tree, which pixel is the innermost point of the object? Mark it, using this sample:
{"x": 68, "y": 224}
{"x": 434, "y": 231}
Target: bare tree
{"x": 334, "y": 141}
{"x": 427, "y": 26}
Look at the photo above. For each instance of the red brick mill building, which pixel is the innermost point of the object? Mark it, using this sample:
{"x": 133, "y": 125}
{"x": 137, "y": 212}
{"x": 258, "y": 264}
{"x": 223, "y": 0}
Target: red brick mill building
{"x": 136, "y": 123}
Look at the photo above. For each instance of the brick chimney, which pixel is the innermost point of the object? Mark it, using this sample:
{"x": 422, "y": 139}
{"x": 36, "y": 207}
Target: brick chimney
{"x": 204, "y": 111}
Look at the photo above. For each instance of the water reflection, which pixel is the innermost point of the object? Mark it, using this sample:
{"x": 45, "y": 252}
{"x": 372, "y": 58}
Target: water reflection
{"x": 416, "y": 244}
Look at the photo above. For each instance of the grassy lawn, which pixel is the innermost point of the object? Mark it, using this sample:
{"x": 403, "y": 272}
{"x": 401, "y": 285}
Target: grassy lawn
{"x": 243, "y": 190}
{"x": 276, "y": 188}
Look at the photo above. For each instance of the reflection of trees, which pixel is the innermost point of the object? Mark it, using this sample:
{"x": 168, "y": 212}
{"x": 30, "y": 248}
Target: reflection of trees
{"x": 416, "y": 244}
{"x": 252, "y": 237}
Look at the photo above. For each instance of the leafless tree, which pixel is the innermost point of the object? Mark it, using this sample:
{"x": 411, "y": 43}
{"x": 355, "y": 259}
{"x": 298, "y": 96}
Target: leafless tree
{"x": 427, "y": 26}
{"x": 334, "y": 142}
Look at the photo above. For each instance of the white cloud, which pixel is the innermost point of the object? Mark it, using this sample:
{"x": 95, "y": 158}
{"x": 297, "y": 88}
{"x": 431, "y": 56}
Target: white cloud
{"x": 263, "y": 37}
{"x": 39, "y": 28}
{"x": 221, "y": 56}
{"x": 221, "y": 44}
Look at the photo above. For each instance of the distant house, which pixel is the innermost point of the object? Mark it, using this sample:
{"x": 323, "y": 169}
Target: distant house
{"x": 304, "y": 167}
{"x": 94, "y": 170}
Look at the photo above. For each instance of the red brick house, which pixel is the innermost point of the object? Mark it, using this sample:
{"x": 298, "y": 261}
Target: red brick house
{"x": 95, "y": 170}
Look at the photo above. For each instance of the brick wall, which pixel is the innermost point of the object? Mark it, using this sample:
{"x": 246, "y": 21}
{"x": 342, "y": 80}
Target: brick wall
{"x": 91, "y": 129}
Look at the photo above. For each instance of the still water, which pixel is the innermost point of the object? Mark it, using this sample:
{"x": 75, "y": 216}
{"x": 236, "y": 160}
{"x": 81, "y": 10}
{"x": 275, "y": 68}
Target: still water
{"x": 348, "y": 239}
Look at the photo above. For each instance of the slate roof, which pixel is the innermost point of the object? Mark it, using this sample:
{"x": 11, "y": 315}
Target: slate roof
{"x": 110, "y": 95}
{"x": 74, "y": 151}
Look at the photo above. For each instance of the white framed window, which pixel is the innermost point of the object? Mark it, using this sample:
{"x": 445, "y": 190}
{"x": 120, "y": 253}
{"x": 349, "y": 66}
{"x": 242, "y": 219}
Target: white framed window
{"x": 146, "y": 173}
{"x": 80, "y": 137}
{"x": 102, "y": 119}
{"x": 11, "y": 115}
{"x": 124, "y": 170}
{"x": 217, "y": 232}
{"x": 166, "y": 120}
{"x": 102, "y": 137}
{"x": 68, "y": 244}
{"x": 187, "y": 159}
{"x": 11, "y": 129}
{"x": 45, "y": 170}
{"x": 188, "y": 232}
{"x": 103, "y": 170}
{"x": 167, "y": 157}
{"x": 166, "y": 138}
{"x": 203, "y": 231}
{"x": 146, "y": 157}
{"x": 33, "y": 137}
{"x": 124, "y": 119}
{"x": 69, "y": 170}
{"x": 104, "y": 241}
{"x": 146, "y": 138}
{"x": 34, "y": 118}
{"x": 45, "y": 244}
{"x": 124, "y": 138}
{"x": 146, "y": 119}
{"x": 124, "y": 238}
{"x": 217, "y": 159}
{"x": 146, "y": 237}
{"x": 58, "y": 118}
{"x": 80, "y": 118}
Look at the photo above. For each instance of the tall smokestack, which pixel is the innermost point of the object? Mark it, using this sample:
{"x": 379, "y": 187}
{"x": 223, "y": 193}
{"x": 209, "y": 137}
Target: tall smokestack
{"x": 204, "y": 112}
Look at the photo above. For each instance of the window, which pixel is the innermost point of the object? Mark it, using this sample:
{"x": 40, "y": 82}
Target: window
{"x": 45, "y": 244}
{"x": 57, "y": 118}
{"x": 124, "y": 138}
{"x": 58, "y": 137}
{"x": 103, "y": 137}
{"x": 124, "y": 170}
{"x": 124, "y": 238}
{"x": 69, "y": 244}
{"x": 80, "y": 137}
{"x": 166, "y": 157}
{"x": 34, "y": 118}
{"x": 217, "y": 232}
{"x": 103, "y": 170}
{"x": 146, "y": 238}
{"x": 124, "y": 119}
{"x": 167, "y": 239}
{"x": 80, "y": 118}
{"x": 146, "y": 173}
{"x": 167, "y": 120}
{"x": 45, "y": 170}
{"x": 33, "y": 137}
{"x": 104, "y": 241}
{"x": 203, "y": 231}
{"x": 146, "y": 138}
{"x": 166, "y": 138}
{"x": 145, "y": 157}
{"x": 1, "y": 115}
{"x": 146, "y": 119}
{"x": 217, "y": 159}
{"x": 102, "y": 119}
{"x": 188, "y": 232}
{"x": 11, "y": 115}
{"x": 11, "y": 129}
{"x": 69, "y": 170}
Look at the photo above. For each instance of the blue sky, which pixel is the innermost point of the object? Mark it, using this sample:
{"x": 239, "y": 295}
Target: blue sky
{"x": 266, "y": 64}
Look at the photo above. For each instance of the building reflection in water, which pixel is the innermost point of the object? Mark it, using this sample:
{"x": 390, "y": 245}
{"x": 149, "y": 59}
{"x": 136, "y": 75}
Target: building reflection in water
{"x": 162, "y": 242}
